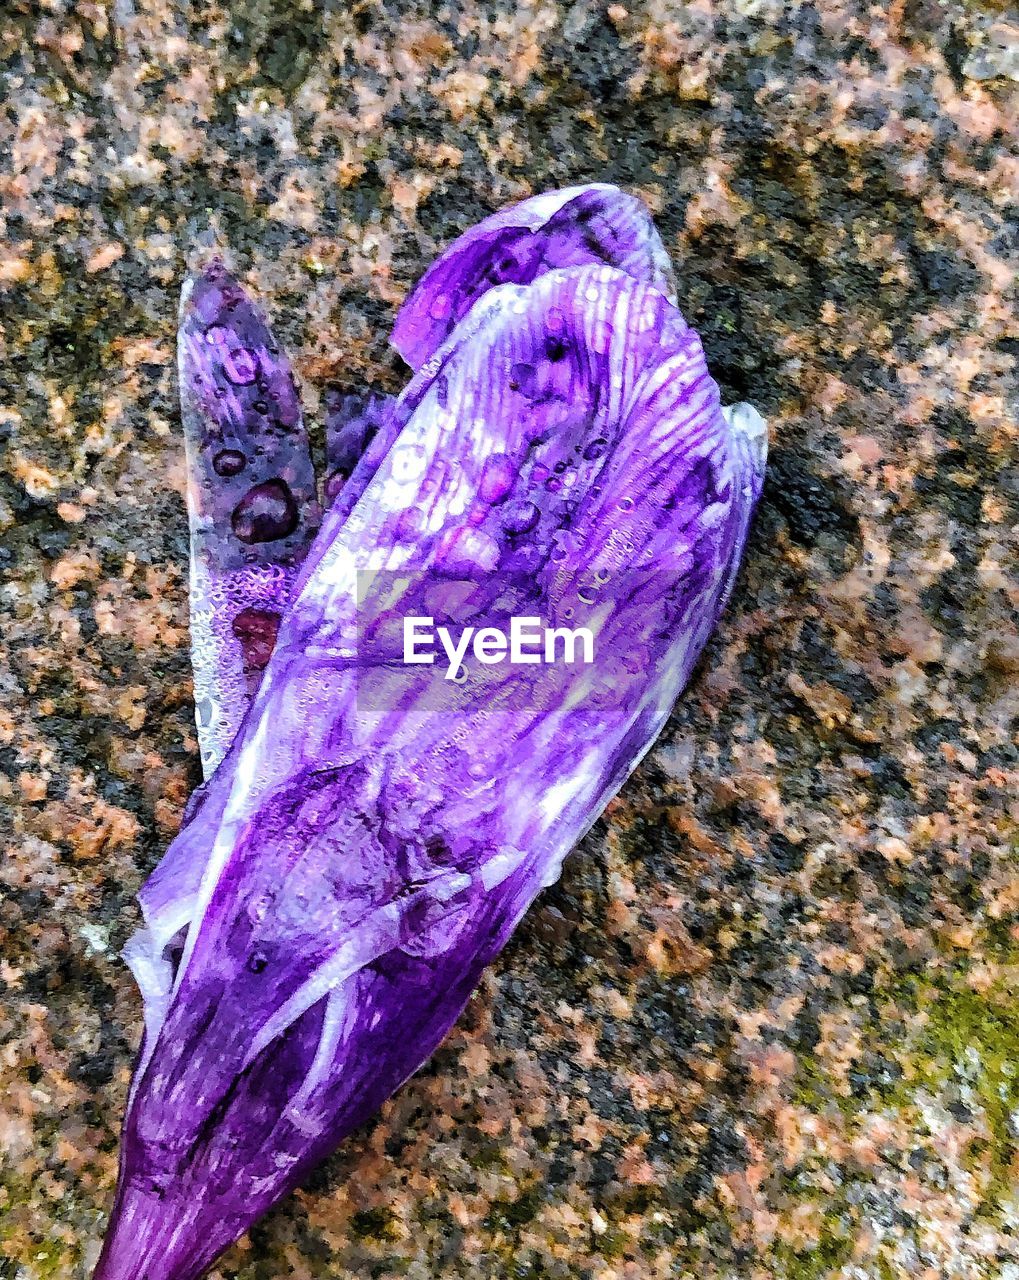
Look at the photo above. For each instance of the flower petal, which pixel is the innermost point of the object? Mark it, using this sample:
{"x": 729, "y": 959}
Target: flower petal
{"x": 595, "y": 223}
{"x": 252, "y": 503}
{"x": 373, "y": 837}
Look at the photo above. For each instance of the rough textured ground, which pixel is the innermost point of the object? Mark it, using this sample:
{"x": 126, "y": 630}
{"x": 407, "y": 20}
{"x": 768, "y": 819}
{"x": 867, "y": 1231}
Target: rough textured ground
{"x": 767, "y": 1026}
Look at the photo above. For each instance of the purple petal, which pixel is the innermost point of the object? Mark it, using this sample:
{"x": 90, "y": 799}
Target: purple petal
{"x": 373, "y": 838}
{"x": 596, "y": 223}
{"x": 251, "y": 496}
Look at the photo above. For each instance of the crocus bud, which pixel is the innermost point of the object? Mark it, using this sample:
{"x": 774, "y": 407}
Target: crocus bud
{"x": 376, "y": 832}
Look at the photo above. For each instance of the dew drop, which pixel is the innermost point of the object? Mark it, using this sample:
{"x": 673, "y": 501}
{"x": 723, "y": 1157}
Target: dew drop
{"x": 257, "y": 961}
{"x": 522, "y": 518}
{"x": 266, "y": 512}
{"x": 334, "y": 483}
{"x": 465, "y": 551}
{"x": 241, "y": 366}
{"x": 409, "y": 525}
{"x": 496, "y": 478}
{"x": 256, "y": 629}
{"x": 259, "y": 908}
{"x": 229, "y": 462}
{"x": 625, "y": 504}
{"x": 523, "y": 378}
{"x": 595, "y": 449}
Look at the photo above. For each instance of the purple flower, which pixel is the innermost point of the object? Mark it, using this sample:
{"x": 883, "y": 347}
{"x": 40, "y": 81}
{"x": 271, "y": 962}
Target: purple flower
{"x": 374, "y": 833}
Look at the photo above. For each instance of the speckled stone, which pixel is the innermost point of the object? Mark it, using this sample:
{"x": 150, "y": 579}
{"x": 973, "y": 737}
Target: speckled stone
{"x": 766, "y": 1027}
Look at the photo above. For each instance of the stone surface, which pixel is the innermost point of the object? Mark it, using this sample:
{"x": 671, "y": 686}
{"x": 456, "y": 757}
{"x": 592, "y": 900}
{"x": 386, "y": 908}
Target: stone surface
{"x": 766, "y": 1026}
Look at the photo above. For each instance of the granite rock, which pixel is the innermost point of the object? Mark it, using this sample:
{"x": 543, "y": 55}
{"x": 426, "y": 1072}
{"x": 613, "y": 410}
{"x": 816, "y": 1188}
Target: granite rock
{"x": 765, "y": 1027}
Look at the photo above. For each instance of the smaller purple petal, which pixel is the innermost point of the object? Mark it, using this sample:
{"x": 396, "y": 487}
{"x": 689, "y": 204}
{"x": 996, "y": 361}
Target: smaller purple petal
{"x": 251, "y": 495}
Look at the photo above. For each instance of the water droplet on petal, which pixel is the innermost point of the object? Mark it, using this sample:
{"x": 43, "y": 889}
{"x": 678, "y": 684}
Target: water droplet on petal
{"x": 229, "y": 462}
{"x": 408, "y": 527}
{"x": 595, "y": 449}
{"x": 256, "y": 629}
{"x": 523, "y": 378}
{"x": 241, "y": 366}
{"x": 496, "y": 478}
{"x": 266, "y": 512}
{"x": 465, "y": 551}
{"x": 522, "y": 518}
{"x": 334, "y": 483}
{"x": 440, "y": 307}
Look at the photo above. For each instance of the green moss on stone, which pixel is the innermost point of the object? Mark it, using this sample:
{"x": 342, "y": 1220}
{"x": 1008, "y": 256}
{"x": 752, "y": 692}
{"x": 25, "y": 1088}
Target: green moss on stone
{"x": 508, "y": 1215}
{"x": 374, "y": 1224}
{"x": 832, "y": 1251}
{"x": 974, "y": 1036}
